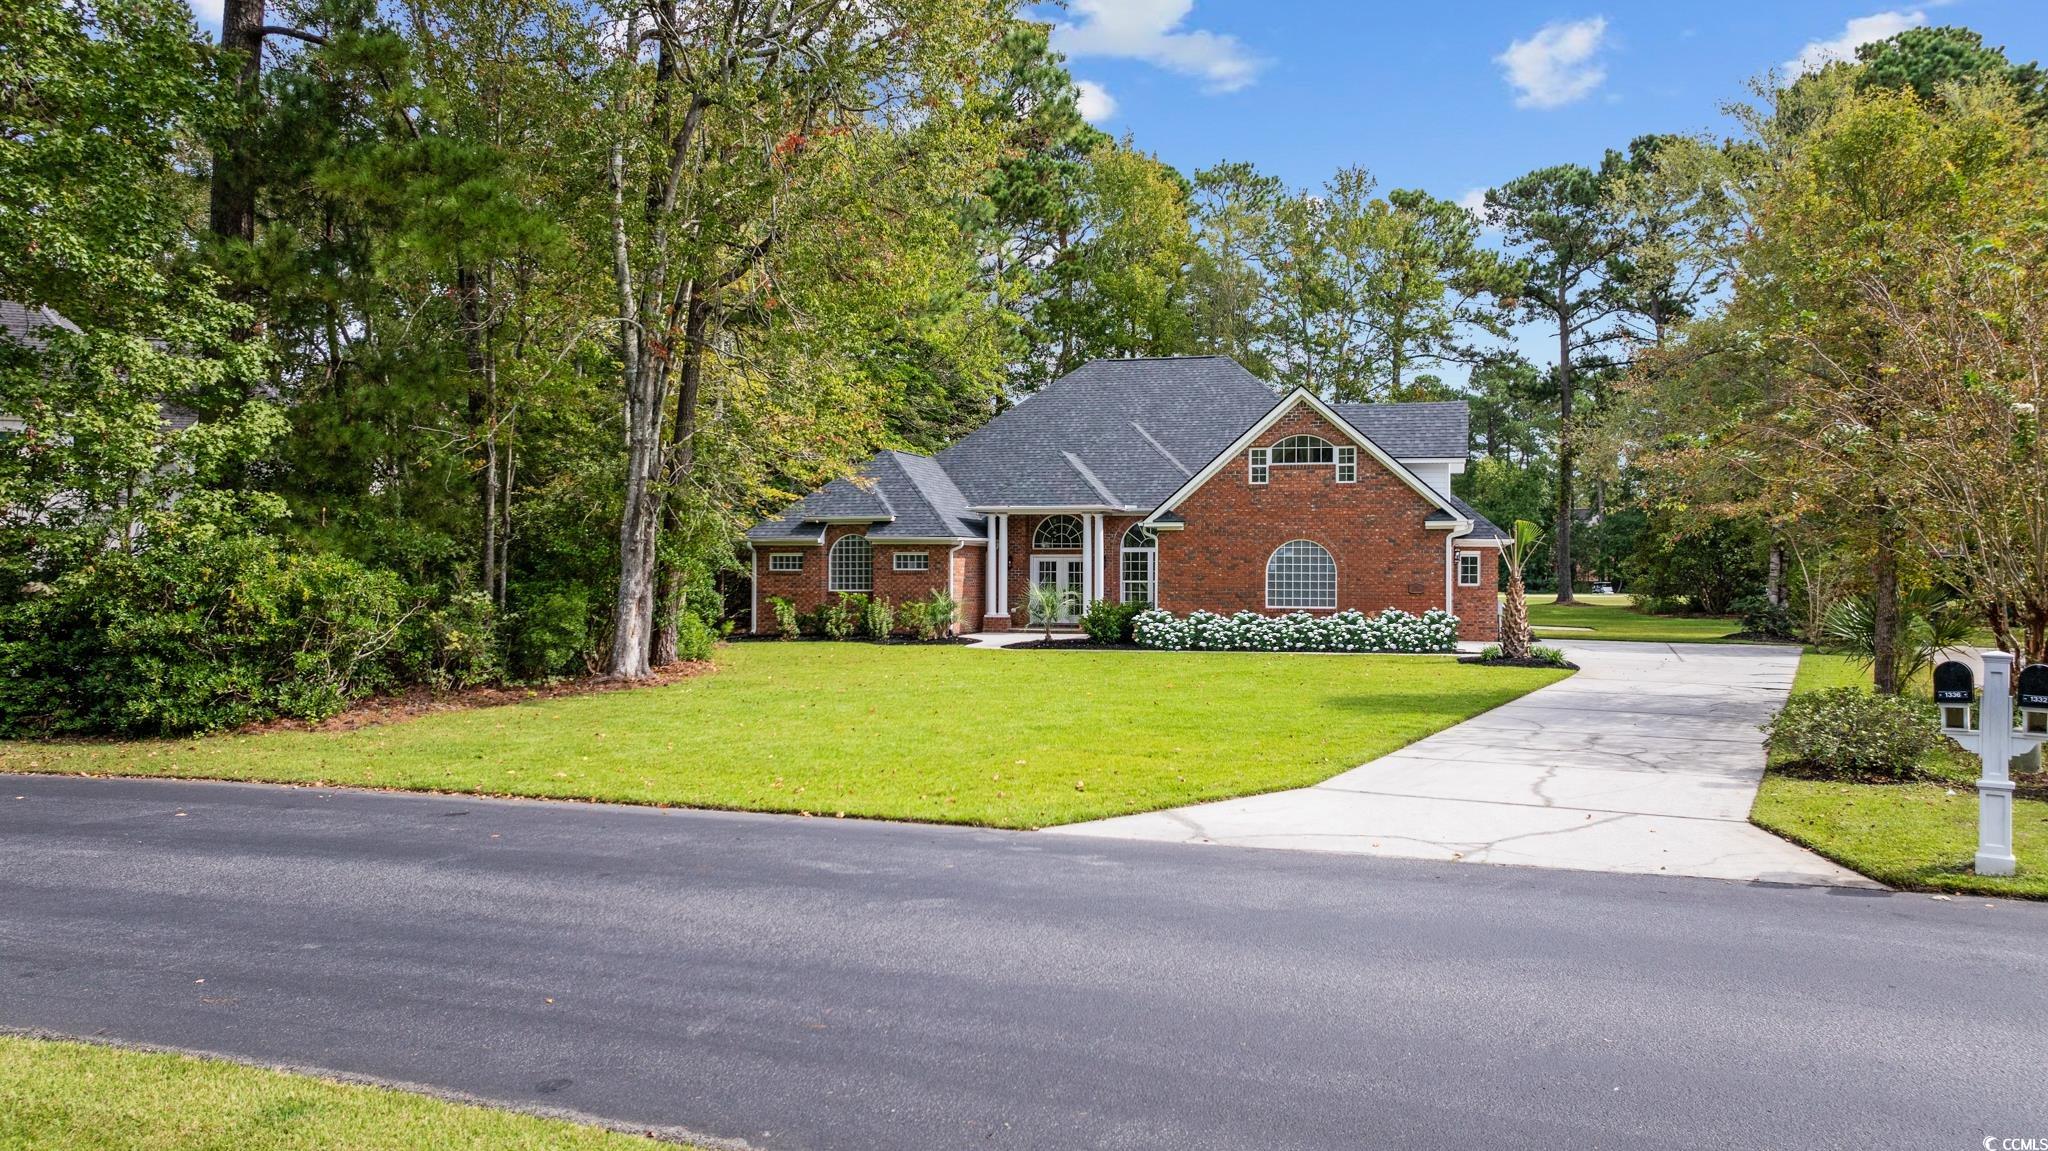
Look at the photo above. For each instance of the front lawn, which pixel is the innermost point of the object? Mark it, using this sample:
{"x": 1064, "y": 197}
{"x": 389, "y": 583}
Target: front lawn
{"x": 1616, "y": 617}
{"x": 59, "y": 1096}
{"x": 1918, "y": 836}
{"x": 947, "y": 734}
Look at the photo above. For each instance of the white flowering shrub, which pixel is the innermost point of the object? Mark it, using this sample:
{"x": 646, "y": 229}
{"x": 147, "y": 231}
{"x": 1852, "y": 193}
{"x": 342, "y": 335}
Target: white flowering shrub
{"x": 1390, "y": 630}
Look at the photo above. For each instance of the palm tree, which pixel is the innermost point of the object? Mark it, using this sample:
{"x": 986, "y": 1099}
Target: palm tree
{"x": 1514, "y": 624}
{"x": 1046, "y": 603}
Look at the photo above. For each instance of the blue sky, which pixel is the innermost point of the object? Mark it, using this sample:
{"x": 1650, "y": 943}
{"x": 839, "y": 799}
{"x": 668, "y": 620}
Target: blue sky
{"x": 1421, "y": 93}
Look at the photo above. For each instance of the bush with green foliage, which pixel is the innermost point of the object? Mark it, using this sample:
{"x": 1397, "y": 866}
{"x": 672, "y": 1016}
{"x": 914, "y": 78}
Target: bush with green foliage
{"x": 877, "y": 618}
{"x": 548, "y": 632}
{"x": 1107, "y": 622}
{"x": 786, "y": 622}
{"x": 1853, "y": 733}
{"x": 1761, "y": 617}
{"x": 695, "y": 638}
{"x": 1709, "y": 567}
{"x": 843, "y": 616}
{"x": 199, "y": 630}
{"x": 941, "y": 612}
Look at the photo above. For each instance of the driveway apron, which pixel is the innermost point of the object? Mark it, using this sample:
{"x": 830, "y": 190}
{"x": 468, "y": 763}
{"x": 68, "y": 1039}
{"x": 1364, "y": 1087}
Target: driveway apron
{"x": 1645, "y": 761}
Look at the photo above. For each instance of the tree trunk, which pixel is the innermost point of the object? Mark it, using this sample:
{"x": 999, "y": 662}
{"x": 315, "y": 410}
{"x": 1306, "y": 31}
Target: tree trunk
{"x": 1774, "y": 580}
{"x": 1566, "y": 454}
{"x": 682, "y": 461}
{"x": 1884, "y": 619}
{"x": 231, "y": 209}
{"x": 1514, "y": 629}
{"x": 668, "y": 637}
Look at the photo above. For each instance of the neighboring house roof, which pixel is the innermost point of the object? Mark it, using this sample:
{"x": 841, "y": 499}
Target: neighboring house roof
{"x": 1120, "y": 435}
{"x": 1437, "y": 429}
{"x": 26, "y": 325}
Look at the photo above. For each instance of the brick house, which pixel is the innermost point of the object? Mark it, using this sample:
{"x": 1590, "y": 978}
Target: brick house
{"x": 1183, "y": 482}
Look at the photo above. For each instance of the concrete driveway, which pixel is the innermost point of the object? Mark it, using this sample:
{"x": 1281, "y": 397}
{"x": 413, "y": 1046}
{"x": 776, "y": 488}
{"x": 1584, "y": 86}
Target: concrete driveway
{"x": 1645, "y": 761}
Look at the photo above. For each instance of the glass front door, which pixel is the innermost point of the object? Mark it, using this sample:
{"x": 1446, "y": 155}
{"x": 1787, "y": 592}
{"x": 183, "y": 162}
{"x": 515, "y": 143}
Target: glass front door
{"x": 1063, "y": 572}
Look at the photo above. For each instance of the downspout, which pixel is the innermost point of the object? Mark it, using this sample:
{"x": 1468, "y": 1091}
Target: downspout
{"x": 1451, "y": 565}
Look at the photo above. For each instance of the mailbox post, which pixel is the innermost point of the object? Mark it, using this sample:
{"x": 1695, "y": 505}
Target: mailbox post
{"x": 1995, "y": 741}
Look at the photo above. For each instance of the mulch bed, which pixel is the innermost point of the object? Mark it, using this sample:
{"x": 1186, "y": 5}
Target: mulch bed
{"x": 412, "y": 704}
{"x": 1567, "y": 665}
{"x": 1073, "y": 645}
{"x": 892, "y": 641}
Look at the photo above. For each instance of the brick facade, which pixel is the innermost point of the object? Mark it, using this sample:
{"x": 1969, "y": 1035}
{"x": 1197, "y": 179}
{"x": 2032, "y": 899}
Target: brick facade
{"x": 1373, "y": 529}
{"x": 956, "y": 568}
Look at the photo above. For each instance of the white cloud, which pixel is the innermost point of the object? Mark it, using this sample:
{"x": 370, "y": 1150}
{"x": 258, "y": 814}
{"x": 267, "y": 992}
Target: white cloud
{"x": 1150, "y": 30}
{"x": 1819, "y": 54}
{"x": 1556, "y": 66}
{"x": 207, "y": 12}
{"x": 1094, "y": 101}
{"x": 1474, "y": 200}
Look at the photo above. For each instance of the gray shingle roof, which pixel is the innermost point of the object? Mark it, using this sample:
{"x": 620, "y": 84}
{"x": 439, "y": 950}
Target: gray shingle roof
{"x": 904, "y": 496}
{"x": 1436, "y": 429}
{"x": 1120, "y": 434}
{"x": 25, "y": 325}
{"x": 1482, "y": 528}
{"x": 1116, "y": 433}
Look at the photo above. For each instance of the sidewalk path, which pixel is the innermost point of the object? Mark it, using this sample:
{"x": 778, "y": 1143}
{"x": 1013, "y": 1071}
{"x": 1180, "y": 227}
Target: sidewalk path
{"x": 1645, "y": 761}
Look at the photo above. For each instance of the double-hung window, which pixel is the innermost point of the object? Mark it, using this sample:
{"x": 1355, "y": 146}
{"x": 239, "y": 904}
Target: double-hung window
{"x": 1347, "y": 464}
{"x": 1260, "y": 470}
{"x": 1468, "y": 569}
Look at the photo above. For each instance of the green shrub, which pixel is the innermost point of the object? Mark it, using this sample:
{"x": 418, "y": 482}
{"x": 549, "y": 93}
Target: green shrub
{"x": 1550, "y": 655}
{"x": 941, "y": 611}
{"x": 1853, "y": 733}
{"x": 548, "y": 632}
{"x": 787, "y": 624}
{"x": 1107, "y": 622}
{"x": 197, "y": 630}
{"x": 1762, "y": 617}
{"x": 454, "y": 645}
{"x": 842, "y": 617}
{"x": 877, "y": 618}
{"x": 694, "y": 638}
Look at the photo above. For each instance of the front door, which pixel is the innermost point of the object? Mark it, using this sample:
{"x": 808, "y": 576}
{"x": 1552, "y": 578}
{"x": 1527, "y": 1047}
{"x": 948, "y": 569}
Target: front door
{"x": 1063, "y": 572}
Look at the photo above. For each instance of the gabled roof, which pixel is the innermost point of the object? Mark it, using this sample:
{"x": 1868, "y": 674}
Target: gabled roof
{"x": 1483, "y": 530}
{"x": 27, "y": 326}
{"x": 1118, "y": 434}
{"x": 904, "y": 496}
{"x": 1437, "y": 429}
{"x": 1301, "y": 397}
{"x": 1113, "y": 435}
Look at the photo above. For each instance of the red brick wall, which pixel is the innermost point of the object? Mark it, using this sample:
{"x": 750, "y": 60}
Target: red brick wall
{"x": 969, "y": 585}
{"x": 808, "y": 589}
{"x": 1478, "y": 608}
{"x": 1373, "y": 528}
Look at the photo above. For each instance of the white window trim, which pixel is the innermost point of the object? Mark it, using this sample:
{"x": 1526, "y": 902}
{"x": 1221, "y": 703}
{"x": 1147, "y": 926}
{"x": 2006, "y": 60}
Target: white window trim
{"x": 1347, "y": 464}
{"x": 1301, "y": 463}
{"x": 1258, "y": 466}
{"x": 775, "y": 561}
{"x": 1478, "y": 573}
{"x": 1151, "y": 575}
{"x": 1334, "y": 579}
{"x": 923, "y": 564}
{"x": 1080, "y": 540}
{"x": 832, "y": 575}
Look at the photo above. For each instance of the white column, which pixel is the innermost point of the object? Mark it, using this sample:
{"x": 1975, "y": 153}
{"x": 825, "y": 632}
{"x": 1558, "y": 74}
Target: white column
{"x": 988, "y": 572}
{"x": 1003, "y": 566}
{"x": 1994, "y": 750}
{"x": 754, "y": 591}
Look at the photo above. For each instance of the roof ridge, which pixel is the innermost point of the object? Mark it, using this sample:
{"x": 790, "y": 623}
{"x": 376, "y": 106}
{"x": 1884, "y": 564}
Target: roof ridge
{"x": 1108, "y": 496}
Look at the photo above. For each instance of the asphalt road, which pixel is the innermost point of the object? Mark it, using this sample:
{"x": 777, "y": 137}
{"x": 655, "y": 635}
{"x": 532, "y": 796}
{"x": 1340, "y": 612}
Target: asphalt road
{"x": 798, "y": 983}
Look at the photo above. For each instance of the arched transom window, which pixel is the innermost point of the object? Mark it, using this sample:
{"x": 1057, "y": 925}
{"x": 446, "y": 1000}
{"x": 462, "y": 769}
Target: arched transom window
{"x": 1057, "y": 533}
{"x": 853, "y": 564}
{"x": 1301, "y": 574}
{"x": 1304, "y": 450}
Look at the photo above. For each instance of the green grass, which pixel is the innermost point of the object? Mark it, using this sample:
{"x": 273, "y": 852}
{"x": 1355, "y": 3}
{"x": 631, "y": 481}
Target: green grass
{"x": 947, "y": 734}
{"x": 1615, "y": 617}
{"x": 1918, "y": 836}
{"x": 61, "y": 1096}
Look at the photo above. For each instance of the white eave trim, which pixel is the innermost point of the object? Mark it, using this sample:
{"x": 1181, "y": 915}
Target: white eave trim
{"x": 892, "y": 541}
{"x": 1287, "y": 404}
{"x": 785, "y": 541}
{"x": 851, "y": 519}
{"x": 1053, "y": 509}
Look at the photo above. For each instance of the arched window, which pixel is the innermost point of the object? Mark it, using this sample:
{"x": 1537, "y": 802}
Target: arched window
{"x": 853, "y": 564}
{"x": 1057, "y": 533}
{"x": 1304, "y": 450}
{"x": 1301, "y": 574}
{"x": 1140, "y": 565}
